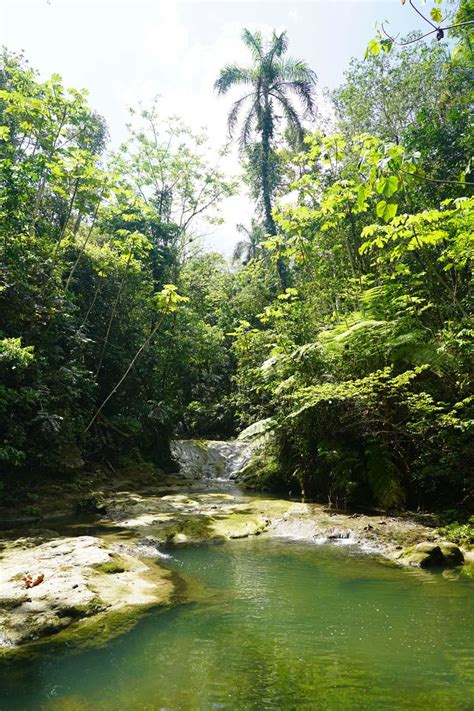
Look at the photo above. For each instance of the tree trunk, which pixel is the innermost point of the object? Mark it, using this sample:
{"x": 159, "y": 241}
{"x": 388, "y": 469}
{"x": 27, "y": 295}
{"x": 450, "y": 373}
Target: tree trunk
{"x": 270, "y": 225}
{"x": 127, "y": 371}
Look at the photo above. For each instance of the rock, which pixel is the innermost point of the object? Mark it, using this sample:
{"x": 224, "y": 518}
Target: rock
{"x": 240, "y": 525}
{"x": 430, "y": 555}
{"x": 452, "y": 554}
{"x": 423, "y": 555}
{"x": 94, "y": 503}
{"x": 339, "y": 535}
{"x": 257, "y": 430}
{"x": 14, "y": 600}
{"x": 469, "y": 557}
{"x": 77, "y": 584}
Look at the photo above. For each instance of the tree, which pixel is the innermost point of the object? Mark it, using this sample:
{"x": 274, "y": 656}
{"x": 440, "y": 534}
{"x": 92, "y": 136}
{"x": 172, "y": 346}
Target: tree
{"x": 248, "y": 248}
{"x": 383, "y": 94}
{"x": 415, "y": 96}
{"x": 167, "y": 165}
{"x": 271, "y": 81}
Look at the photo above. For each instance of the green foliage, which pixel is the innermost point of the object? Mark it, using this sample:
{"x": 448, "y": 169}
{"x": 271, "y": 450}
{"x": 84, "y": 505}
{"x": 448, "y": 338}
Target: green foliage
{"x": 94, "y": 344}
{"x": 12, "y": 353}
{"x": 460, "y": 533}
{"x": 345, "y": 320}
{"x": 365, "y": 369}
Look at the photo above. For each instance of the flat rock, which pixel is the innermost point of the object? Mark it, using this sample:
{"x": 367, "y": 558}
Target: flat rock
{"x": 82, "y": 578}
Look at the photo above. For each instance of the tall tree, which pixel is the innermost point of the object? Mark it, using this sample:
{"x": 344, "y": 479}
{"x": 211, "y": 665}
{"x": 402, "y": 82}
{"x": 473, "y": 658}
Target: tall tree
{"x": 248, "y": 248}
{"x": 272, "y": 82}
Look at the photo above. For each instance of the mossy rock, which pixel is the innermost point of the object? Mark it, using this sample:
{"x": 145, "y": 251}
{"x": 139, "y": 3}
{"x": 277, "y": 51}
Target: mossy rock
{"x": 86, "y": 632}
{"x": 431, "y": 555}
{"x": 194, "y": 528}
{"x": 452, "y": 554}
{"x": 88, "y": 609}
{"x": 240, "y": 525}
{"x": 11, "y": 602}
{"x": 94, "y": 503}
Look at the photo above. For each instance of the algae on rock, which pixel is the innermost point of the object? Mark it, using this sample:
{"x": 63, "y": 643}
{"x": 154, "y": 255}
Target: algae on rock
{"x": 431, "y": 555}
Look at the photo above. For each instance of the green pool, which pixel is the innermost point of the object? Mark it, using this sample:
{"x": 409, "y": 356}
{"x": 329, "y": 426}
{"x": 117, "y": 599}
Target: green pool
{"x": 279, "y": 625}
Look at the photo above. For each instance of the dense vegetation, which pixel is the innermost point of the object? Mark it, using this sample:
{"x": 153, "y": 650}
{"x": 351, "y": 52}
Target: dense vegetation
{"x": 343, "y": 325}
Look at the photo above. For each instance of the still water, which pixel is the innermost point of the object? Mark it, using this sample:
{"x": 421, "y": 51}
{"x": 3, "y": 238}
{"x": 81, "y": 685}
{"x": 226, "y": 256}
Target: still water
{"x": 278, "y": 625}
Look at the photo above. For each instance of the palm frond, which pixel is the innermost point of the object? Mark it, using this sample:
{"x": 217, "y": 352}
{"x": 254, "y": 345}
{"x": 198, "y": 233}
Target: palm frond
{"x": 290, "y": 69}
{"x": 305, "y": 93}
{"x": 279, "y": 44}
{"x": 241, "y": 249}
{"x": 248, "y": 126}
{"x": 232, "y": 75}
{"x": 234, "y": 112}
{"x": 297, "y": 77}
{"x": 254, "y": 42}
{"x": 243, "y": 230}
{"x": 290, "y": 112}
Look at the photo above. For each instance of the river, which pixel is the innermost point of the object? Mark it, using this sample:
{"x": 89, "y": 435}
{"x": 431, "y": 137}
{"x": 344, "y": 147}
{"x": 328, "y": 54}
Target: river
{"x": 272, "y": 624}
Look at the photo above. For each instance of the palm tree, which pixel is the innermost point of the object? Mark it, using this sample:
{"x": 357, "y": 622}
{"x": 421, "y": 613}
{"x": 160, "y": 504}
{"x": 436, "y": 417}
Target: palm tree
{"x": 248, "y": 248}
{"x": 271, "y": 81}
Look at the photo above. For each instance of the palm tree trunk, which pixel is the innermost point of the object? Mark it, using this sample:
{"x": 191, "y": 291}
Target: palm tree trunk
{"x": 270, "y": 225}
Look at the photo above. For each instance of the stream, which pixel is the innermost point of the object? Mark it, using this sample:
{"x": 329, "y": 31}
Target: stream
{"x": 274, "y": 624}
{"x": 282, "y": 625}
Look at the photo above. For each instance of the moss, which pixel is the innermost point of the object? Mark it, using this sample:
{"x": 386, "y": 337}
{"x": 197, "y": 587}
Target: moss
{"x": 240, "y": 525}
{"x": 263, "y": 473}
{"x": 10, "y": 603}
{"x": 111, "y": 567}
{"x": 201, "y": 444}
{"x": 428, "y": 555}
{"x": 194, "y": 527}
{"x": 92, "y": 631}
{"x": 93, "y": 503}
{"x": 88, "y": 609}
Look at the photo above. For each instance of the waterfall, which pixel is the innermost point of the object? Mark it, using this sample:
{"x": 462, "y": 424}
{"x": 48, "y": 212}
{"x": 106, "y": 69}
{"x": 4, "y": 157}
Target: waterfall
{"x": 211, "y": 459}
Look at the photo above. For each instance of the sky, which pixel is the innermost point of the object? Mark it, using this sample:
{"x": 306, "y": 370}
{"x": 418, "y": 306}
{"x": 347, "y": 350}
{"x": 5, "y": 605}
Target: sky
{"x": 126, "y": 51}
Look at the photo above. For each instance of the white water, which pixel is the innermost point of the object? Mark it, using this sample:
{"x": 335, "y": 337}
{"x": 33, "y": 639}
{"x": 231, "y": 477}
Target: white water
{"x": 211, "y": 459}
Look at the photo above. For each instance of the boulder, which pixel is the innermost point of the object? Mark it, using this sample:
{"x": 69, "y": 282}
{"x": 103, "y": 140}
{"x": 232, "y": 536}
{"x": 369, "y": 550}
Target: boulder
{"x": 431, "y": 555}
{"x": 452, "y": 554}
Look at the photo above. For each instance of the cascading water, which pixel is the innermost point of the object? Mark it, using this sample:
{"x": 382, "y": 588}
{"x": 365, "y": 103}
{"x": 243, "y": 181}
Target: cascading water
{"x": 211, "y": 459}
